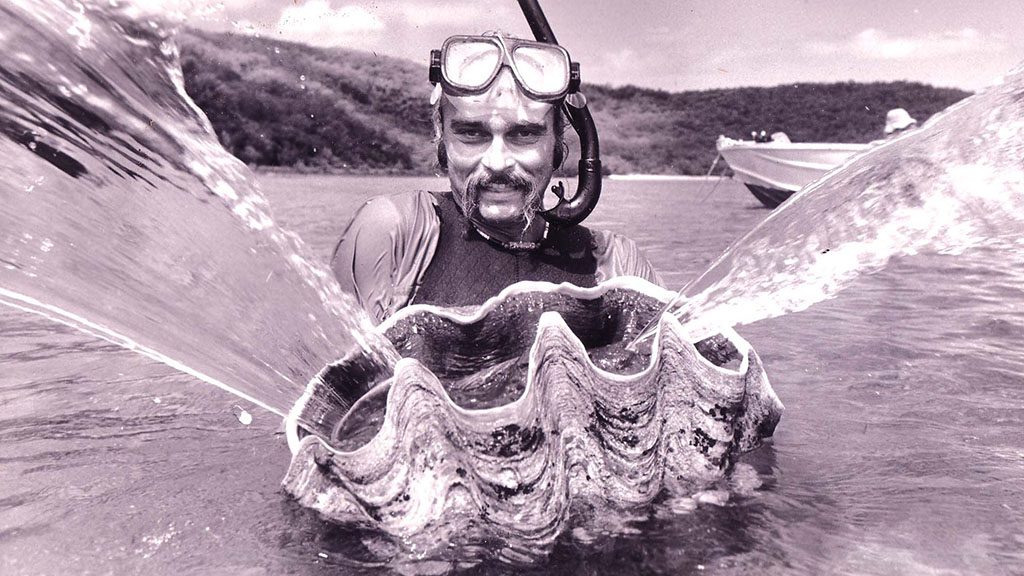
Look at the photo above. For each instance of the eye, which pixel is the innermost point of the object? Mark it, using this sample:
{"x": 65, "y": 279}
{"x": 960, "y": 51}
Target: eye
{"x": 526, "y": 134}
{"x": 469, "y": 133}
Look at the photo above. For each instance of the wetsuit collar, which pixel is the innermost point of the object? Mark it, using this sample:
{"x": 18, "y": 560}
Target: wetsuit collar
{"x": 511, "y": 246}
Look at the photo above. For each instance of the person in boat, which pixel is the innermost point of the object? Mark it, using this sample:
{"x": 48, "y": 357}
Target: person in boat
{"x": 498, "y": 124}
{"x": 898, "y": 120}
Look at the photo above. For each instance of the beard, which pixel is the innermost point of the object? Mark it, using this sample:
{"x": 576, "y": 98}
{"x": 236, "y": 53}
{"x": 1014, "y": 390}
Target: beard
{"x": 512, "y": 180}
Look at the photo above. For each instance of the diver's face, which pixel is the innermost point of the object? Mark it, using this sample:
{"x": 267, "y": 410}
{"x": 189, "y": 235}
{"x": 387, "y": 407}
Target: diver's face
{"x": 500, "y": 145}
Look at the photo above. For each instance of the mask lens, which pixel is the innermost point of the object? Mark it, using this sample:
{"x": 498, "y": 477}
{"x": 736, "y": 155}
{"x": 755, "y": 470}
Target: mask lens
{"x": 542, "y": 69}
{"x": 471, "y": 64}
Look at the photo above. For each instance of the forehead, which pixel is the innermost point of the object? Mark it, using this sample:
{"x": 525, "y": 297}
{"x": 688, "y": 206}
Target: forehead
{"x": 502, "y": 100}
{"x": 454, "y": 111}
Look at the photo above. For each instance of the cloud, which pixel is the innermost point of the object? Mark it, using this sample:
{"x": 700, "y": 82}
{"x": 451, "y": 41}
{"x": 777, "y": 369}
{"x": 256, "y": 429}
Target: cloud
{"x": 874, "y": 44}
{"x": 420, "y": 15}
{"x": 619, "y": 66}
{"x": 315, "y": 22}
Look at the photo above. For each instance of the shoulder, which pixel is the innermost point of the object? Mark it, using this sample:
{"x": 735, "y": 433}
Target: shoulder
{"x": 385, "y": 220}
{"x": 395, "y": 209}
{"x": 386, "y": 224}
{"x": 385, "y": 248}
{"x": 619, "y": 255}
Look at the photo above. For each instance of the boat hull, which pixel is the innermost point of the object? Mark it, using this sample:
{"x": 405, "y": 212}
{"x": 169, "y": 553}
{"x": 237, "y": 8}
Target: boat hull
{"x": 773, "y": 171}
{"x": 770, "y": 197}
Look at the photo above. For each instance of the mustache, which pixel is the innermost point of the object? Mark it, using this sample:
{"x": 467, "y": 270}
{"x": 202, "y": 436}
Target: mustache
{"x": 509, "y": 180}
{"x": 514, "y": 180}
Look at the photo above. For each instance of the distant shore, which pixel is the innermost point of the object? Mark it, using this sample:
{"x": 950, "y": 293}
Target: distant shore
{"x": 356, "y": 113}
{"x": 663, "y": 177}
{"x": 316, "y": 171}
{"x": 336, "y": 171}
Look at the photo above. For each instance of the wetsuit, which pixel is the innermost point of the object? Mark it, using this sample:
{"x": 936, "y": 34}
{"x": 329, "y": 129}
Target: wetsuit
{"x": 418, "y": 248}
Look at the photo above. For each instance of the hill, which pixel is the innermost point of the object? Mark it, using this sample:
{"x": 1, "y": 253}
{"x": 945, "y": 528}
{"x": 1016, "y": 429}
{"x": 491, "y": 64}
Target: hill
{"x": 648, "y": 131}
{"x": 275, "y": 103}
{"x": 281, "y": 104}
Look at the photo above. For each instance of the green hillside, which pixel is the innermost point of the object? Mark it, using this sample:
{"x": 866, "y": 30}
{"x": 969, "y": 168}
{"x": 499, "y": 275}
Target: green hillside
{"x": 276, "y": 103}
{"x": 649, "y": 131}
{"x": 280, "y": 104}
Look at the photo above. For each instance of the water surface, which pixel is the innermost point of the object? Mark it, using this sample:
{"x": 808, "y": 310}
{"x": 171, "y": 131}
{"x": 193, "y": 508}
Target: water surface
{"x": 901, "y": 450}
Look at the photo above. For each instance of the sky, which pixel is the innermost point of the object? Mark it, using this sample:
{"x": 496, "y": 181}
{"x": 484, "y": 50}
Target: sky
{"x": 677, "y": 45}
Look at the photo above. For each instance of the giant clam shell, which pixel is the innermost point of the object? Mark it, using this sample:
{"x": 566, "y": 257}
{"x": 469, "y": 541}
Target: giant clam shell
{"x": 437, "y": 455}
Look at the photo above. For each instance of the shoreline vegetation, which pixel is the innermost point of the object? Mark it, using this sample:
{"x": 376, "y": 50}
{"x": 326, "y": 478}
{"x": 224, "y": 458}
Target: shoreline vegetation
{"x": 290, "y": 108}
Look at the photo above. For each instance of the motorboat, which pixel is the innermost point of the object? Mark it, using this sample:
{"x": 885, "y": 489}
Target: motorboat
{"x": 774, "y": 168}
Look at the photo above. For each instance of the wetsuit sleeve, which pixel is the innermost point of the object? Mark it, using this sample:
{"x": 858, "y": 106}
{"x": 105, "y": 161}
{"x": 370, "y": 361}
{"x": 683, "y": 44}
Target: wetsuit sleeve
{"x": 385, "y": 250}
{"x": 620, "y": 256}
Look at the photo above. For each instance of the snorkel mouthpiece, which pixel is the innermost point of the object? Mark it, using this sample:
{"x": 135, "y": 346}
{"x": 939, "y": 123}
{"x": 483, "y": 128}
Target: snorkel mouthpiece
{"x": 574, "y": 210}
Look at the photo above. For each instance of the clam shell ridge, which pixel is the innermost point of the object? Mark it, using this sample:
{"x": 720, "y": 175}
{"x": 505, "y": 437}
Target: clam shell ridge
{"x": 577, "y": 433}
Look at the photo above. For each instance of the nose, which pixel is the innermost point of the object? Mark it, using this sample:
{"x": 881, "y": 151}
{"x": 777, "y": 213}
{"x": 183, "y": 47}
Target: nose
{"x": 503, "y": 90}
{"x": 498, "y": 156}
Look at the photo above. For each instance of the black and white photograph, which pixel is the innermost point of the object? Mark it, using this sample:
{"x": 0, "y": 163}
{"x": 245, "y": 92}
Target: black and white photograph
{"x": 515, "y": 287}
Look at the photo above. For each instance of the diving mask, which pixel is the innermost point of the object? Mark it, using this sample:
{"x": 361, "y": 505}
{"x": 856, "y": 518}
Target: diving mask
{"x": 469, "y": 64}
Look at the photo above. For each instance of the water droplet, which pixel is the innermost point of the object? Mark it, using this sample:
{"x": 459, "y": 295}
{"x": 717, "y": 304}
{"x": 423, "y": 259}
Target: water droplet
{"x": 243, "y": 416}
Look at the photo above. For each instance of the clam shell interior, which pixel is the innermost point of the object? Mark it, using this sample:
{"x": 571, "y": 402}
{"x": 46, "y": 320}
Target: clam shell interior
{"x": 513, "y": 410}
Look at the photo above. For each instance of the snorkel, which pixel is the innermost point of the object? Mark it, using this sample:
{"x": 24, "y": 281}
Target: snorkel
{"x": 570, "y": 211}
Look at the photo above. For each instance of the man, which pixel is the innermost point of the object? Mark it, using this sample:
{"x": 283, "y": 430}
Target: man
{"x": 498, "y": 123}
{"x": 896, "y": 121}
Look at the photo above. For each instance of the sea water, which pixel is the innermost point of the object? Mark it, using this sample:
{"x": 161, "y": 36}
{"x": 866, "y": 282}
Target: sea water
{"x": 901, "y": 449}
{"x": 122, "y": 216}
{"x": 950, "y": 186}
